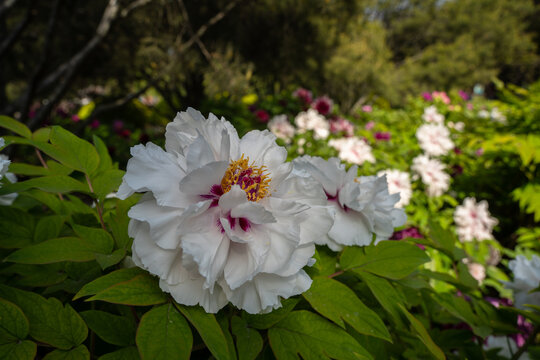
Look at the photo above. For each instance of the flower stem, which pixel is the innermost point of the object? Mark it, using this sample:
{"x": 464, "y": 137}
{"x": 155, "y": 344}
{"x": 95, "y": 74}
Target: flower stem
{"x": 44, "y": 164}
{"x": 98, "y": 205}
{"x": 337, "y": 273}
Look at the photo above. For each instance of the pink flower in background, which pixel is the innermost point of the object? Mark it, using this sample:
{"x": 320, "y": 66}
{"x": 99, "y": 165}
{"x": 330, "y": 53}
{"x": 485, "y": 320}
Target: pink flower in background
{"x": 474, "y": 221}
{"x": 464, "y": 95}
{"x": 118, "y": 125}
{"x": 434, "y": 139}
{"x": 410, "y": 232}
{"x": 281, "y": 127}
{"x": 75, "y": 118}
{"x": 479, "y": 152}
{"x": 126, "y": 133}
{"x": 323, "y": 105}
{"x": 441, "y": 95}
{"x": 370, "y": 125}
{"x": 432, "y": 173}
{"x": 427, "y": 96}
{"x": 94, "y": 124}
{"x": 470, "y": 106}
{"x": 367, "y": 108}
{"x": 432, "y": 115}
{"x": 304, "y": 95}
{"x": 341, "y": 125}
{"x": 382, "y": 136}
{"x": 262, "y": 115}
{"x": 353, "y": 150}
{"x": 312, "y": 120}
{"x": 399, "y": 182}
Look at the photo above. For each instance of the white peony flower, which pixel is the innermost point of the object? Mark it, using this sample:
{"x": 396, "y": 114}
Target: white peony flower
{"x": 353, "y": 150}
{"x": 4, "y": 167}
{"x": 432, "y": 173}
{"x": 281, "y": 127}
{"x": 526, "y": 278}
{"x": 223, "y": 219}
{"x": 312, "y": 120}
{"x": 432, "y": 115}
{"x": 497, "y": 116}
{"x": 399, "y": 182}
{"x": 474, "y": 220}
{"x": 484, "y": 114}
{"x": 434, "y": 139}
{"x": 362, "y": 206}
{"x": 507, "y": 346}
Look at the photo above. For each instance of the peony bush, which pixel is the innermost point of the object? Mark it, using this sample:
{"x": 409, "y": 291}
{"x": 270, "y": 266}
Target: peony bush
{"x": 389, "y": 233}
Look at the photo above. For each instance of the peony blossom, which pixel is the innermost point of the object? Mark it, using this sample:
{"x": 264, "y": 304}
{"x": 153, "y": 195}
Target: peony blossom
{"x": 432, "y": 173}
{"x": 367, "y": 108}
{"x": 432, "y": 115}
{"x": 312, "y": 120}
{"x": 281, "y": 127}
{"x": 382, "y": 136}
{"x": 223, "y": 218}
{"x": 477, "y": 271}
{"x": 370, "y": 125}
{"x": 434, "y": 139}
{"x": 4, "y": 168}
{"x": 341, "y": 125}
{"x": 363, "y": 206}
{"x": 399, "y": 182}
{"x": 304, "y": 95}
{"x": 497, "y": 116}
{"x": 353, "y": 150}
{"x": 526, "y": 278}
{"x": 474, "y": 221}
{"x": 507, "y": 346}
{"x": 442, "y": 96}
{"x": 323, "y": 105}
{"x": 262, "y": 115}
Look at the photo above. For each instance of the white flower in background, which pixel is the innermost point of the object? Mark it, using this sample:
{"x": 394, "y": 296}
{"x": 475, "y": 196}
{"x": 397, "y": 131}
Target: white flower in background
{"x": 477, "y": 271}
{"x": 432, "y": 115}
{"x": 484, "y": 114}
{"x": 399, "y": 182}
{"x": 362, "y": 205}
{"x": 353, "y": 150}
{"x": 223, "y": 219}
{"x": 459, "y": 126}
{"x": 434, "y": 139}
{"x": 312, "y": 120}
{"x": 281, "y": 127}
{"x": 474, "y": 221}
{"x": 526, "y": 278}
{"x": 432, "y": 173}
{"x": 497, "y": 116}
{"x": 4, "y": 167}
{"x": 507, "y": 346}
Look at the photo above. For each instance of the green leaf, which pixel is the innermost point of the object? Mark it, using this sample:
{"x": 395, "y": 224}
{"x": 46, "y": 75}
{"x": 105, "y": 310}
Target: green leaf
{"x": 118, "y": 222}
{"x": 70, "y": 150}
{"x": 391, "y": 259}
{"x": 249, "y": 342}
{"x": 41, "y": 135}
{"x": 16, "y": 228}
{"x": 101, "y": 238}
{"x": 107, "y": 182}
{"x": 108, "y": 260}
{"x": 303, "y": 333}
{"x": 127, "y": 353}
{"x": 223, "y": 322}
{"x": 16, "y": 126}
{"x": 142, "y": 290}
{"x": 114, "y": 329}
{"x": 78, "y": 353}
{"x": 13, "y": 324}
{"x": 338, "y": 303}
{"x": 105, "y": 161}
{"x": 385, "y": 294}
{"x": 23, "y": 350}
{"x": 26, "y": 169}
{"x": 55, "y": 183}
{"x": 422, "y": 334}
{"x": 208, "y": 328}
{"x": 265, "y": 321}
{"x": 164, "y": 334}
{"x": 107, "y": 281}
{"x": 37, "y": 275}
{"x": 50, "y": 322}
{"x": 61, "y": 249}
{"x": 48, "y": 227}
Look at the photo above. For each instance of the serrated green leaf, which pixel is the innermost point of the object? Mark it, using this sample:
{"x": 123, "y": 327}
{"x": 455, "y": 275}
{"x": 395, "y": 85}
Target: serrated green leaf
{"x": 78, "y": 353}
{"x": 208, "y": 328}
{"x": 303, "y": 333}
{"x": 61, "y": 249}
{"x": 114, "y": 329}
{"x": 249, "y": 342}
{"x": 55, "y": 184}
{"x": 164, "y": 334}
{"x": 50, "y": 322}
{"x": 391, "y": 259}
{"x": 142, "y": 290}
{"x": 106, "y": 281}
{"x": 13, "y": 324}
{"x": 24, "y": 350}
{"x": 338, "y": 303}
{"x": 16, "y": 126}
{"x": 422, "y": 334}
{"x": 127, "y": 353}
{"x": 264, "y": 321}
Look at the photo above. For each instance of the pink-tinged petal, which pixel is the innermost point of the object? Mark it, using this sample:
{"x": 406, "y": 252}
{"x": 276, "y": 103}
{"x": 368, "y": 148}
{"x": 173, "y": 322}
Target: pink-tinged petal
{"x": 152, "y": 169}
{"x": 200, "y": 181}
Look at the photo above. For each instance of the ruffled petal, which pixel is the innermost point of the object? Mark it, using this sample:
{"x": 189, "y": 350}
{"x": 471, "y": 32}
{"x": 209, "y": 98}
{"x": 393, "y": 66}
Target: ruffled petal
{"x": 246, "y": 260}
{"x": 192, "y": 292}
{"x": 200, "y": 181}
{"x": 350, "y": 228}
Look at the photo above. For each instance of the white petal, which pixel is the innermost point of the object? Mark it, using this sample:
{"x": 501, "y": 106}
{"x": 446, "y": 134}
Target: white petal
{"x": 350, "y": 228}
{"x": 245, "y": 260}
{"x": 192, "y": 292}
{"x": 200, "y": 181}
{"x": 152, "y": 169}
{"x": 284, "y": 239}
{"x": 199, "y": 153}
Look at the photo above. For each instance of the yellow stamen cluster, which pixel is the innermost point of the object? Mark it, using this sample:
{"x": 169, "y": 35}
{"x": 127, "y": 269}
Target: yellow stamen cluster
{"x": 252, "y": 179}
